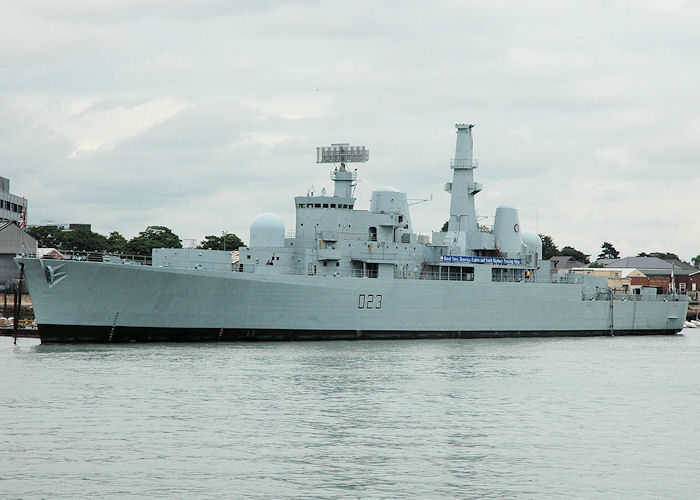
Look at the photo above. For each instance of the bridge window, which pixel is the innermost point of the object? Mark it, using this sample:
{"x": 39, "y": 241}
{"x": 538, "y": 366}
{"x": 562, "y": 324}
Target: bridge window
{"x": 458, "y": 273}
{"x": 507, "y": 274}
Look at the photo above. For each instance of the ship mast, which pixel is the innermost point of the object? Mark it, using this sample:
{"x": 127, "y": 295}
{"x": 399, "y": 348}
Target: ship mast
{"x": 463, "y": 188}
{"x": 342, "y": 153}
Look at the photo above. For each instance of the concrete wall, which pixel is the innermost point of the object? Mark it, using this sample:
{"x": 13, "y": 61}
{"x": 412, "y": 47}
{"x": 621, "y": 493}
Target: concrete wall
{"x": 8, "y": 269}
{"x": 13, "y": 240}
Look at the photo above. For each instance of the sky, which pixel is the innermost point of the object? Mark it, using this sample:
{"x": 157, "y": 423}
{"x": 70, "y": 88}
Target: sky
{"x": 201, "y": 115}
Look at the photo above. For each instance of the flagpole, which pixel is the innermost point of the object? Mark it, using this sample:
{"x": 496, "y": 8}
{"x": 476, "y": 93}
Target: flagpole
{"x": 673, "y": 281}
{"x": 22, "y": 224}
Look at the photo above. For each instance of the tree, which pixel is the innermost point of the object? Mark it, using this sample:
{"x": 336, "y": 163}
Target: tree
{"x": 116, "y": 242}
{"x": 163, "y": 236}
{"x": 153, "y": 237}
{"x": 46, "y": 236}
{"x": 595, "y": 264}
{"x": 660, "y": 255}
{"x": 83, "y": 239}
{"x": 212, "y": 242}
{"x": 76, "y": 239}
{"x": 549, "y": 249}
{"x": 696, "y": 261}
{"x": 576, "y": 254}
{"x": 140, "y": 245}
{"x": 608, "y": 251}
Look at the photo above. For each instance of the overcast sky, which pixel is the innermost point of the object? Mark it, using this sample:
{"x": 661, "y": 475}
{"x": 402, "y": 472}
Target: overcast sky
{"x": 201, "y": 115}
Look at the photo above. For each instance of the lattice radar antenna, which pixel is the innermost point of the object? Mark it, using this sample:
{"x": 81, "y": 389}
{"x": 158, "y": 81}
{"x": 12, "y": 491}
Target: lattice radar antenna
{"x": 341, "y": 153}
{"x": 345, "y": 181}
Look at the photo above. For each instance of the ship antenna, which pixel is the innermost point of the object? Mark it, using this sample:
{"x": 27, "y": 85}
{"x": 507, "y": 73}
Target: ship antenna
{"x": 345, "y": 181}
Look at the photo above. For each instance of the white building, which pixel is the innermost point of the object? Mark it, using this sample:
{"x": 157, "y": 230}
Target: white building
{"x": 11, "y": 205}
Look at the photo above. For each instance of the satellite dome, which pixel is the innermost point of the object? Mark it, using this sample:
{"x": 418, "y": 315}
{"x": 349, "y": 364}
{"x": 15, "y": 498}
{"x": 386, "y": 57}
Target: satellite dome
{"x": 267, "y": 230}
{"x": 533, "y": 242}
{"x": 386, "y": 189}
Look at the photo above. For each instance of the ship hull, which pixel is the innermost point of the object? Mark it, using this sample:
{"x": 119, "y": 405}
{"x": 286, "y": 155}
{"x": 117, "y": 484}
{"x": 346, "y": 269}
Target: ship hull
{"x": 70, "y": 334}
{"x": 103, "y": 302}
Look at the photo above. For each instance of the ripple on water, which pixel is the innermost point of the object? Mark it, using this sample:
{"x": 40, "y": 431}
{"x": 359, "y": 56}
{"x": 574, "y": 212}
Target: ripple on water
{"x": 475, "y": 418}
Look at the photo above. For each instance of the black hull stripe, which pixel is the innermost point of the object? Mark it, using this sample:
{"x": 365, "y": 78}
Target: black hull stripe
{"x": 107, "y": 334}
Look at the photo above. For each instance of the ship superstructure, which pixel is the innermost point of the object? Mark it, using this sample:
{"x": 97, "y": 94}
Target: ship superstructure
{"x": 345, "y": 273}
{"x": 332, "y": 238}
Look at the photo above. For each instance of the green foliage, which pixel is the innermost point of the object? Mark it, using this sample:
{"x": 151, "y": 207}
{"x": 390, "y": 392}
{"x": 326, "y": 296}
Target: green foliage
{"x": 660, "y": 255}
{"x": 212, "y": 242}
{"x": 140, "y": 245}
{"x": 549, "y": 249}
{"x": 576, "y": 254}
{"x": 116, "y": 242}
{"x": 608, "y": 251}
{"x": 83, "y": 239}
{"x": 163, "y": 236}
{"x": 77, "y": 239}
{"x": 595, "y": 264}
{"x": 696, "y": 261}
{"x": 153, "y": 237}
{"x": 46, "y": 236}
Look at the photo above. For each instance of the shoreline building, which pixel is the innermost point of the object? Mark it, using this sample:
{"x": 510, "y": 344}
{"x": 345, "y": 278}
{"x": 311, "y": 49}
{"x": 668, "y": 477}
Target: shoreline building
{"x": 12, "y": 207}
{"x": 662, "y": 274}
{"x": 13, "y": 239}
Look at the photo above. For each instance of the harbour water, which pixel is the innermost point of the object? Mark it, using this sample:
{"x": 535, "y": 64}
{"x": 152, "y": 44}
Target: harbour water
{"x": 604, "y": 417}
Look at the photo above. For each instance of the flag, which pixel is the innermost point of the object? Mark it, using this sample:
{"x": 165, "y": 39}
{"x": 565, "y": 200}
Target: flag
{"x": 673, "y": 281}
{"x": 23, "y": 217}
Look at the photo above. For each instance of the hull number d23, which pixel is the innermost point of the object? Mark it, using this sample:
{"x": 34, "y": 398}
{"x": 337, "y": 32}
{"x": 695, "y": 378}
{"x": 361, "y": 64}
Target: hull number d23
{"x": 369, "y": 301}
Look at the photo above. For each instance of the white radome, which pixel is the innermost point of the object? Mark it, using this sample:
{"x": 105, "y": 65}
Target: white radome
{"x": 267, "y": 230}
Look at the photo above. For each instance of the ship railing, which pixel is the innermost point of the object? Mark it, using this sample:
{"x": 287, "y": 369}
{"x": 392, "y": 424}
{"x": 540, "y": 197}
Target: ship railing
{"x": 93, "y": 256}
{"x": 321, "y": 271}
{"x": 437, "y": 276}
{"x": 352, "y": 235}
{"x": 463, "y": 163}
{"x": 568, "y": 279}
{"x": 362, "y": 273}
{"x": 335, "y": 235}
{"x": 343, "y": 175}
{"x": 637, "y": 297}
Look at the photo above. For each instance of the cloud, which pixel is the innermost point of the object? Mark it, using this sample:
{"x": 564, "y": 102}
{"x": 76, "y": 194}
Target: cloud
{"x": 200, "y": 116}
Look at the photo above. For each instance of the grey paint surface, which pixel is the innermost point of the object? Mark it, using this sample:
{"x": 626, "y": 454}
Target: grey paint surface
{"x": 349, "y": 270}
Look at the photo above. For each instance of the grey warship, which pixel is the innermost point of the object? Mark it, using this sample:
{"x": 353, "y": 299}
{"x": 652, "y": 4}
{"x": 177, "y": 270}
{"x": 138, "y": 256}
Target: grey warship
{"x": 345, "y": 274}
